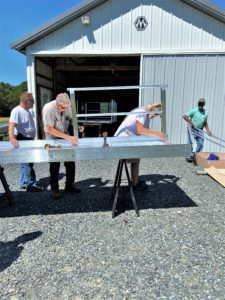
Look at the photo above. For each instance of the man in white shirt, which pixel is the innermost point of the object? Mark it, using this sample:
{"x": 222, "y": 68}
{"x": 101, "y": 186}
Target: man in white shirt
{"x": 22, "y": 127}
{"x": 138, "y": 124}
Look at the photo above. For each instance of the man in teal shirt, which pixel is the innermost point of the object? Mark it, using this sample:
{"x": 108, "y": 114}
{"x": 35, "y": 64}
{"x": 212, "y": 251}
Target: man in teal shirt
{"x": 197, "y": 118}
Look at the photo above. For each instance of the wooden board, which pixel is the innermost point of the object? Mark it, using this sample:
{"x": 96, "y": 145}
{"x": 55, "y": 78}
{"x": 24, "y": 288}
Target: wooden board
{"x": 217, "y": 174}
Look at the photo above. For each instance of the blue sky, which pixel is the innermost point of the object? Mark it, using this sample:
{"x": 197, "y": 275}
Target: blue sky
{"x": 18, "y": 17}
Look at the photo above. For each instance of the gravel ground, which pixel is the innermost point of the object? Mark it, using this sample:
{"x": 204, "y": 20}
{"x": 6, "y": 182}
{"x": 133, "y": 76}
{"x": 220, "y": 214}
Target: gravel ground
{"x": 73, "y": 249}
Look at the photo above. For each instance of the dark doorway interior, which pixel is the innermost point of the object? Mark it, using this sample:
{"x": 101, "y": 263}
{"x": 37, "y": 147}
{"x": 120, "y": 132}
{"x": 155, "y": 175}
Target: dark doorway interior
{"x": 98, "y": 72}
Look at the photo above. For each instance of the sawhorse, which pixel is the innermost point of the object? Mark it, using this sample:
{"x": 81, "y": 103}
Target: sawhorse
{"x": 115, "y": 195}
{"x": 8, "y": 192}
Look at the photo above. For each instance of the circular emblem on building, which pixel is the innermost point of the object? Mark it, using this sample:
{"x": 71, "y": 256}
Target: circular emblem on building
{"x": 141, "y": 23}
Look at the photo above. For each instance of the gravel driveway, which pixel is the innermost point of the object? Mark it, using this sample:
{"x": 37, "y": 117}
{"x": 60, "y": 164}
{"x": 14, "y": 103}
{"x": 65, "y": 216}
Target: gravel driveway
{"x": 72, "y": 248}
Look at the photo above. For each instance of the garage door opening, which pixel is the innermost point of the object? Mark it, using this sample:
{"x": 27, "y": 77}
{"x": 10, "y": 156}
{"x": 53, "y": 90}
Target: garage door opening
{"x": 68, "y": 72}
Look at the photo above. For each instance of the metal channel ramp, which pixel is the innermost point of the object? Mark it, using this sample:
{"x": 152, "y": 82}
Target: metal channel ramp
{"x": 90, "y": 149}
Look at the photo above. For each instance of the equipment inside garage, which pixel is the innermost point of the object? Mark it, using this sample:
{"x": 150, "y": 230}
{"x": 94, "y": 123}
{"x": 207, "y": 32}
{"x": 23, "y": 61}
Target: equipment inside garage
{"x": 56, "y": 74}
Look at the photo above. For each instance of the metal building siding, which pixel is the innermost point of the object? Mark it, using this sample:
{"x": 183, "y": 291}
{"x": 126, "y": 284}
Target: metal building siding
{"x": 172, "y": 25}
{"x": 189, "y": 77}
{"x": 44, "y": 70}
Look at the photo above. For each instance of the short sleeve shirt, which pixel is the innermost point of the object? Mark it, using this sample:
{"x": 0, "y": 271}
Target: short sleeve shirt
{"x": 198, "y": 118}
{"x": 53, "y": 118}
{"x": 24, "y": 121}
{"x": 128, "y": 126}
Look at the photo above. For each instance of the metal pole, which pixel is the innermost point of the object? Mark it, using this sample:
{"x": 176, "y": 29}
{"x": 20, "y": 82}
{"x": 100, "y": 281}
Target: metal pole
{"x": 114, "y": 114}
{"x": 163, "y": 102}
{"x": 110, "y": 88}
{"x": 197, "y": 133}
{"x": 74, "y": 113}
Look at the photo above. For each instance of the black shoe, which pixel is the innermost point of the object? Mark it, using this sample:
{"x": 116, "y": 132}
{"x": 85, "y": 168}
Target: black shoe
{"x": 189, "y": 159}
{"x": 140, "y": 186}
{"x": 56, "y": 194}
{"x": 72, "y": 189}
{"x": 34, "y": 189}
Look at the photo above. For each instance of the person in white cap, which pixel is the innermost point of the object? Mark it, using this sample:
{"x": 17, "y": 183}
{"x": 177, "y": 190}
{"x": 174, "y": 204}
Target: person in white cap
{"x": 138, "y": 124}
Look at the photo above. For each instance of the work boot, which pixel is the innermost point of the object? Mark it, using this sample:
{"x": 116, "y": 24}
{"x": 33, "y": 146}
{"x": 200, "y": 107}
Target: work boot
{"x": 189, "y": 159}
{"x": 34, "y": 188}
{"x": 56, "y": 194}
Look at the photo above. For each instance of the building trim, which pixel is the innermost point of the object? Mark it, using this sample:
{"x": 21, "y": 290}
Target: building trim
{"x": 128, "y": 53}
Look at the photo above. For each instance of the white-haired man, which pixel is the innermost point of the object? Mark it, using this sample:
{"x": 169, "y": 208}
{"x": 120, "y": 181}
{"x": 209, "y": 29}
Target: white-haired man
{"x": 138, "y": 124}
{"x": 56, "y": 119}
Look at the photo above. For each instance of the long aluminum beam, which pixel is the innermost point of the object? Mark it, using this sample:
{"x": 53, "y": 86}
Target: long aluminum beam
{"x": 90, "y": 149}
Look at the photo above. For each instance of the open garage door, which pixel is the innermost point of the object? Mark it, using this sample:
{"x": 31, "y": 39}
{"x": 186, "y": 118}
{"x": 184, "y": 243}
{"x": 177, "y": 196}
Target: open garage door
{"x": 59, "y": 73}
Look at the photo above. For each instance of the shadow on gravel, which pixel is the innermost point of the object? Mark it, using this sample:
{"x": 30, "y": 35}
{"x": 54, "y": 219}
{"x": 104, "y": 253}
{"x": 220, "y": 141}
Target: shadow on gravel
{"x": 96, "y": 194}
{"x": 164, "y": 193}
{"x": 44, "y": 182}
{"x": 10, "y": 251}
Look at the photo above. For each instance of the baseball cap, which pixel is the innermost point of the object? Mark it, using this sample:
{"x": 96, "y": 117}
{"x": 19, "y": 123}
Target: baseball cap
{"x": 201, "y": 101}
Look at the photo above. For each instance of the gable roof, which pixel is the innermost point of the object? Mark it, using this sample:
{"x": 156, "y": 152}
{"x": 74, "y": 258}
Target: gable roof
{"x": 86, "y": 5}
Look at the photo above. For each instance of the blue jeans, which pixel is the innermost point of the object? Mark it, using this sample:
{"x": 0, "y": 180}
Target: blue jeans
{"x": 27, "y": 175}
{"x": 198, "y": 136}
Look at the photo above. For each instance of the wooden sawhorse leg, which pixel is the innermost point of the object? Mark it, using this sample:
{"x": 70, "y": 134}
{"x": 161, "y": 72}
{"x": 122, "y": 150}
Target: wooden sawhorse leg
{"x": 115, "y": 195}
{"x": 8, "y": 192}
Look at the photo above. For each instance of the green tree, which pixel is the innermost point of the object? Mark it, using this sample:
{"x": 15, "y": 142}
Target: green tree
{"x": 9, "y": 97}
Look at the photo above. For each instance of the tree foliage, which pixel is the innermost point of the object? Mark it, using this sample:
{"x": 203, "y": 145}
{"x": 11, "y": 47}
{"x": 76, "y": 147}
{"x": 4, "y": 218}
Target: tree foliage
{"x": 9, "y": 96}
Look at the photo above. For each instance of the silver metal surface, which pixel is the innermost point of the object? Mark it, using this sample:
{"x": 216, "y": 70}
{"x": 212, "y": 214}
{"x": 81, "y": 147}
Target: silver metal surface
{"x": 90, "y": 149}
{"x": 110, "y": 88}
{"x": 116, "y": 114}
{"x": 181, "y": 73}
{"x": 74, "y": 114}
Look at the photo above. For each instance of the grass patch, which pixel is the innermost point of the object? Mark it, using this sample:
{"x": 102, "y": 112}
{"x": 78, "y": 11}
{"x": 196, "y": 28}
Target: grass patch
{"x": 4, "y": 119}
{"x": 4, "y": 137}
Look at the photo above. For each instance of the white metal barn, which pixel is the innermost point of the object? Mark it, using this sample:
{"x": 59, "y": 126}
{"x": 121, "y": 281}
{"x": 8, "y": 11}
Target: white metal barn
{"x": 180, "y": 43}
